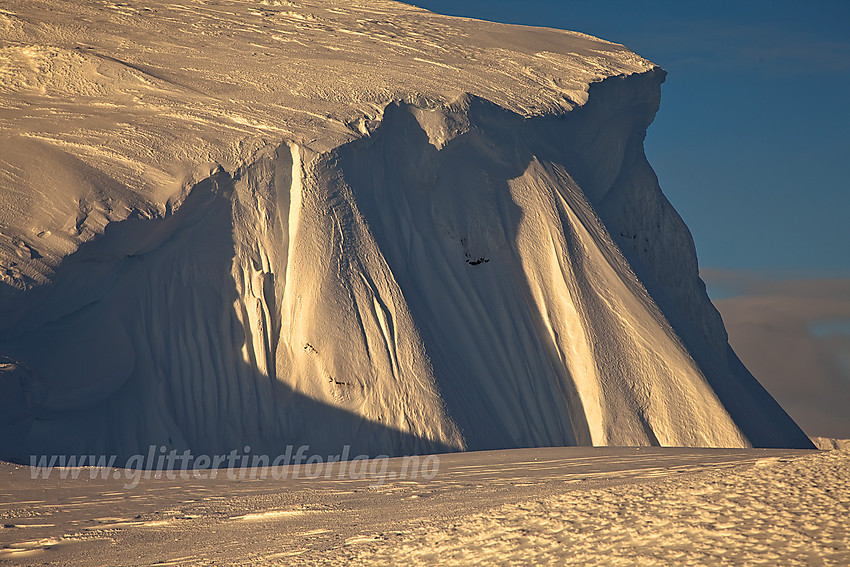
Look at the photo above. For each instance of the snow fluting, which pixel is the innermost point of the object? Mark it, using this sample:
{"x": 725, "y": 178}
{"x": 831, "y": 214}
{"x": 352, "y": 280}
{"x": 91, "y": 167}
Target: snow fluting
{"x": 454, "y": 273}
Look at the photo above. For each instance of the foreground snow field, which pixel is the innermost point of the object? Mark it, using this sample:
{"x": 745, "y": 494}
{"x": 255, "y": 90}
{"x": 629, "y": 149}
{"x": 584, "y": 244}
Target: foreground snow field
{"x": 773, "y": 511}
{"x": 228, "y": 223}
{"x": 583, "y": 506}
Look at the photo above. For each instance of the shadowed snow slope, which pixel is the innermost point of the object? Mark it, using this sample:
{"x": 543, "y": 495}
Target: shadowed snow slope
{"x": 238, "y": 223}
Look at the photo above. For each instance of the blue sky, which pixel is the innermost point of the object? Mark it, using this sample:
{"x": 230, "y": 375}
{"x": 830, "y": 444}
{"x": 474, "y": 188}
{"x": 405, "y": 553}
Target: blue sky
{"x": 752, "y": 142}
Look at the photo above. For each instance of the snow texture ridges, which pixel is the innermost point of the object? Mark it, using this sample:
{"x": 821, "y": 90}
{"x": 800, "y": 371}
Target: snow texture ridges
{"x": 459, "y": 267}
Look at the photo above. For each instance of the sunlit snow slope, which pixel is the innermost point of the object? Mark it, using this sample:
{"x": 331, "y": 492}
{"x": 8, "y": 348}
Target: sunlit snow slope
{"x": 228, "y": 223}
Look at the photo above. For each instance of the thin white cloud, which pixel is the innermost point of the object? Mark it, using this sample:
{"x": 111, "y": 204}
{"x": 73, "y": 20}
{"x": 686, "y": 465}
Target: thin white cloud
{"x": 771, "y": 328}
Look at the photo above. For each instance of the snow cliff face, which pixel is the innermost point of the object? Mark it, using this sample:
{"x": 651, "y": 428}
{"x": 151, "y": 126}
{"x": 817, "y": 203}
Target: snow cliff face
{"x": 494, "y": 267}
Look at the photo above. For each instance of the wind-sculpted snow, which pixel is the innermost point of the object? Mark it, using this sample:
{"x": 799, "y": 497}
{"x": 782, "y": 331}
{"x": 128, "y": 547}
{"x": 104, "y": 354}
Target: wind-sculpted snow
{"x": 231, "y": 223}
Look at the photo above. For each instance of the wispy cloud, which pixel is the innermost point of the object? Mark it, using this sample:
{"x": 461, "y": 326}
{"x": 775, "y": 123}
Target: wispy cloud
{"x": 793, "y": 335}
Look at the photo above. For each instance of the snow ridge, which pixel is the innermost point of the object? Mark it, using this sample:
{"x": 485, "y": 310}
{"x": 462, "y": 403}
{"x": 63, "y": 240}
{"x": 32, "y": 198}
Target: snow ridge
{"x": 452, "y": 273}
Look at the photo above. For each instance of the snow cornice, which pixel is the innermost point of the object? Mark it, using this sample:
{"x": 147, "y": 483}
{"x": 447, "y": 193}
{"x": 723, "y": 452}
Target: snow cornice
{"x": 153, "y": 89}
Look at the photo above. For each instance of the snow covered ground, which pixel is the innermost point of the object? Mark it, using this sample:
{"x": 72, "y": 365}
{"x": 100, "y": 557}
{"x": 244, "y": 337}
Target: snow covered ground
{"x": 582, "y": 506}
{"x": 774, "y": 511}
{"x": 227, "y": 223}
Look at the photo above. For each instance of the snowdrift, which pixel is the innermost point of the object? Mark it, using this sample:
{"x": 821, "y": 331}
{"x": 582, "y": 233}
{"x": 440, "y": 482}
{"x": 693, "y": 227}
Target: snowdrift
{"x": 403, "y": 262}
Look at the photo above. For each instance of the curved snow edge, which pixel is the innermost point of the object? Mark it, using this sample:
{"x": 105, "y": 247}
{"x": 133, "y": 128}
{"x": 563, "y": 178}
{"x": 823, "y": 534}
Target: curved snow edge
{"x": 296, "y": 301}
